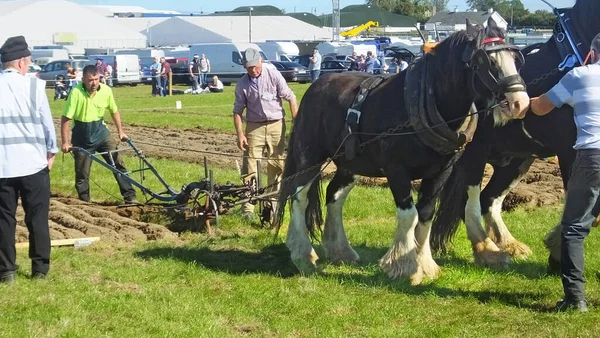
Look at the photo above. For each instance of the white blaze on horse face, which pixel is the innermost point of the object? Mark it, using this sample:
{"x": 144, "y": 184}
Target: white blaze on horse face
{"x": 518, "y": 102}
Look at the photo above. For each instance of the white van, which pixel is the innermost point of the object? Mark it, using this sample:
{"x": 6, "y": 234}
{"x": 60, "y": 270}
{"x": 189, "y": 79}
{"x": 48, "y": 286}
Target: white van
{"x": 279, "y": 50}
{"x": 141, "y": 52}
{"x": 54, "y": 54}
{"x": 225, "y": 59}
{"x": 126, "y": 67}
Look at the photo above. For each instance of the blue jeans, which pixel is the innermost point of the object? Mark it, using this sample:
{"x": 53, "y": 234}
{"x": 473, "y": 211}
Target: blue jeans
{"x": 581, "y": 204}
{"x": 314, "y": 75}
{"x": 164, "y": 86}
{"x": 202, "y": 80}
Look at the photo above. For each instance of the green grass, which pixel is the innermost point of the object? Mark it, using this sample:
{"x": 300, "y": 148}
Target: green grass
{"x": 241, "y": 282}
{"x": 212, "y": 110}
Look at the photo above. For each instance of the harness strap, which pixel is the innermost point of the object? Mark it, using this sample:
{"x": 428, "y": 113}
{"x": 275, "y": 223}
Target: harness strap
{"x": 353, "y": 114}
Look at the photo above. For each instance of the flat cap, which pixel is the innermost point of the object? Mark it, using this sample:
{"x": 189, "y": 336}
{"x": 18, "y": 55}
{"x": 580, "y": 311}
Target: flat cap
{"x": 14, "y": 48}
{"x": 251, "y": 57}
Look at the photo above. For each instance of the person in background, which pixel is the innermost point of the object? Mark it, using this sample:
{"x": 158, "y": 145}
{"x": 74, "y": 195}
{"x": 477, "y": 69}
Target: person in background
{"x": 260, "y": 93}
{"x": 27, "y": 151}
{"x": 370, "y": 63}
{"x": 204, "y": 70}
{"x": 164, "y": 77}
{"x": 101, "y": 66}
{"x": 580, "y": 89}
{"x": 314, "y": 65}
{"x": 195, "y": 73}
{"x": 393, "y": 68}
{"x": 403, "y": 64}
{"x": 155, "y": 70}
{"x": 215, "y": 86}
{"x": 108, "y": 76}
{"x": 86, "y": 107}
{"x": 72, "y": 75}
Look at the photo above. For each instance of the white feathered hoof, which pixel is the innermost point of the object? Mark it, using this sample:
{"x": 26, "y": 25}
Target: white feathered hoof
{"x": 429, "y": 267}
{"x": 398, "y": 266}
{"x": 516, "y": 249}
{"x": 488, "y": 254}
{"x": 306, "y": 265}
{"x": 339, "y": 256}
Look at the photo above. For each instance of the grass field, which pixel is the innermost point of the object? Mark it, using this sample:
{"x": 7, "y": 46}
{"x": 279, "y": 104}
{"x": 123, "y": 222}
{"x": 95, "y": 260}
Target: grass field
{"x": 241, "y": 282}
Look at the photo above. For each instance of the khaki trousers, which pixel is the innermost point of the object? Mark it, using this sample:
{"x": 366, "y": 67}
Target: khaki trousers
{"x": 263, "y": 138}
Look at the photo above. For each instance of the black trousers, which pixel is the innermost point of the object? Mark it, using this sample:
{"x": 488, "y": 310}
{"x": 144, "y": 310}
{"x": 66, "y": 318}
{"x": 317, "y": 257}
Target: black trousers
{"x": 34, "y": 191}
{"x": 582, "y": 200}
{"x": 83, "y": 165}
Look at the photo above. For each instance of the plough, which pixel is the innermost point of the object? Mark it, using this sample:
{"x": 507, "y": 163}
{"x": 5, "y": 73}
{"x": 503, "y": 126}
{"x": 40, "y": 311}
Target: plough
{"x": 203, "y": 200}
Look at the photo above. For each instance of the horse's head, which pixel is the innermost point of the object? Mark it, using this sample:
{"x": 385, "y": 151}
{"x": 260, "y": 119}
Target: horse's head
{"x": 495, "y": 69}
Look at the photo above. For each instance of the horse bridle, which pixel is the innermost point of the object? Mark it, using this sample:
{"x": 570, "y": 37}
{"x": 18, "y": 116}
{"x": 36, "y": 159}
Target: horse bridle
{"x": 479, "y": 61}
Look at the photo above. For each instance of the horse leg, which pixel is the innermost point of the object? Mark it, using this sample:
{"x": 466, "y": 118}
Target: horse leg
{"x": 336, "y": 245}
{"x": 502, "y": 181}
{"x": 426, "y": 207}
{"x": 401, "y": 259}
{"x": 297, "y": 240}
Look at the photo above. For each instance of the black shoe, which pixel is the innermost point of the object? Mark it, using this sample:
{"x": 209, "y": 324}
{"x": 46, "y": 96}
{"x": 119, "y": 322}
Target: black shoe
{"x": 8, "y": 277}
{"x": 568, "y": 305}
{"x": 38, "y": 275}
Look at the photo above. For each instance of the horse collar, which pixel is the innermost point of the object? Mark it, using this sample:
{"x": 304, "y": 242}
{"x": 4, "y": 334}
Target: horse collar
{"x": 424, "y": 117}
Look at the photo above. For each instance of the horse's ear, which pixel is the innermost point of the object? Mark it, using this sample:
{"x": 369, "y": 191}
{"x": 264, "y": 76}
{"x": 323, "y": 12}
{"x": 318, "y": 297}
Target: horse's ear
{"x": 471, "y": 30}
{"x": 491, "y": 23}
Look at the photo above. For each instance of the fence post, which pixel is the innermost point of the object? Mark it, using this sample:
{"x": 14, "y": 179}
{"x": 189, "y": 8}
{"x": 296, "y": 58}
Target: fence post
{"x": 171, "y": 83}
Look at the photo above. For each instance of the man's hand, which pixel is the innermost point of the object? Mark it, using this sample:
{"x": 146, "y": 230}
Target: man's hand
{"x": 123, "y": 137}
{"x": 50, "y": 157}
{"x": 66, "y": 147}
{"x": 242, "y": 142}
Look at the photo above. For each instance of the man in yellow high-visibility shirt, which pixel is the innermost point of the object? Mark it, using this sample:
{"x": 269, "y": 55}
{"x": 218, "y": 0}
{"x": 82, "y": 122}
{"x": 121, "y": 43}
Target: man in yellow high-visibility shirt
{"x": 86, "y": 106}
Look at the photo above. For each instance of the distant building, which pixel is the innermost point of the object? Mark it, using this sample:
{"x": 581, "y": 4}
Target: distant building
{"x": 456, "y": 21}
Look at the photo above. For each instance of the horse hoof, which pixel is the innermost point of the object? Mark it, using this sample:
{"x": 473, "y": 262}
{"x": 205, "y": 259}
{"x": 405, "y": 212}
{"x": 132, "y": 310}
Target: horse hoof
{"x": 344, "y": 256}
{"x": 417, "y": 277}
{"x": 305, "y": 267}
{"x": 402, "y": 267}
{"x": 516, "y": 249}
{"x": 492, "y": 259}
{"x": 431, "y": 269}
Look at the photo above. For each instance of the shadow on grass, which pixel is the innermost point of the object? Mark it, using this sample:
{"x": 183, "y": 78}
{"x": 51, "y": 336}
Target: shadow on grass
{"x": 272, "y": 260}
{"x": 275, "y": 260}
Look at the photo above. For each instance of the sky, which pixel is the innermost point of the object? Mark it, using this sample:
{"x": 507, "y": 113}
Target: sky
{"x": 321, "y": 6}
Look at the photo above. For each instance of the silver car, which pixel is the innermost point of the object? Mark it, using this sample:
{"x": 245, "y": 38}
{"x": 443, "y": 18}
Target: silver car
{"x": 59, "y": 67}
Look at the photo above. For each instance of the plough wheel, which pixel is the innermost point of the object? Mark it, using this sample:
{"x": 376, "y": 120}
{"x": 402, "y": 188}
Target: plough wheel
{"x": 203, "y": 209}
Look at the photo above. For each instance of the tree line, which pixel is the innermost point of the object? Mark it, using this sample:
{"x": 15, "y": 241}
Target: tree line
{"x": 512, "y": 11}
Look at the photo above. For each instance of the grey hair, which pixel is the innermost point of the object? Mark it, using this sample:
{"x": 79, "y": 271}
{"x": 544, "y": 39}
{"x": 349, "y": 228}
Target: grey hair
{"x": 11, "y": 64}
{"x": 596, "y": 43}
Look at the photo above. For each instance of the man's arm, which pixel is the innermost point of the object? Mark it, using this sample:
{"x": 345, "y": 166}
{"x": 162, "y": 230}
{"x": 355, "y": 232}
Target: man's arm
{"x": 116, "y": 117}
{"x": 541, "y": 105}
{"x": 65, "y": 128}
{"x": 238, "y": 110}
{"x": 48, "y": 126}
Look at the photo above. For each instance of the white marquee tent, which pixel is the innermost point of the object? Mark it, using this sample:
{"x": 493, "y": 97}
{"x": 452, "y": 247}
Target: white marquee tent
{"x": 51, "y": 22}
{"x": 206, "y": 29}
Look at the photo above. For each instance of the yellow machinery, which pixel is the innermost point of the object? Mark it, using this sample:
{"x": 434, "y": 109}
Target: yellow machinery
{"x": 359, "y": 29}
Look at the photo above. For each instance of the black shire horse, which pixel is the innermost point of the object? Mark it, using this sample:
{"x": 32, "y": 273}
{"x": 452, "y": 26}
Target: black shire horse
{"x": 511, "y": 149}
{"x": 470, "y": 64}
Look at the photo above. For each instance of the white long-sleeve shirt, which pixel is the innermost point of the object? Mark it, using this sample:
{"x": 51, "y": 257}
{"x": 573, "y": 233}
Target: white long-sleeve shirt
{"x": 27, "y": 132}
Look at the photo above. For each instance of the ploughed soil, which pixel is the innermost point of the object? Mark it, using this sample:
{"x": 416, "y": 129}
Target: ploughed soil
{"x": 71, "y": 218}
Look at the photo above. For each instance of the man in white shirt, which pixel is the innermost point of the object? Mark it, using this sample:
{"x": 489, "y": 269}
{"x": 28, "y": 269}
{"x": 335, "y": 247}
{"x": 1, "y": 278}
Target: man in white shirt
{"x": 27, "y": 149}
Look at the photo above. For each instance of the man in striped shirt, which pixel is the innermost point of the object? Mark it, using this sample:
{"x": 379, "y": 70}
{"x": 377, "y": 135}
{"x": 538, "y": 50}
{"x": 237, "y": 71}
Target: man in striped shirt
{"x": 579, "y": 88}
{"x": 27, "y": 150}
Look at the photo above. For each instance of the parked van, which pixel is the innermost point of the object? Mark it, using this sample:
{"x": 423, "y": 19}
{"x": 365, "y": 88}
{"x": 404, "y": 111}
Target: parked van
{"x": 225, "y": 59}
{"x": 126, "y": 67}
{"x": 279, "y": 51}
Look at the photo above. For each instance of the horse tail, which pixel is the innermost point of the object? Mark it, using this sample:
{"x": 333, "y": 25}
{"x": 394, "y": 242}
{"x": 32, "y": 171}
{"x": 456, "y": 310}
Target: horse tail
{"x": 286, "y": 188}
{"x": 450, "y": 211}
{"x": 314, "y": 213}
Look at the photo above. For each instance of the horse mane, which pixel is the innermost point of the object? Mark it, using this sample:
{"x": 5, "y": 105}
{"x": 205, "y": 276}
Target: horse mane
{"x": 586, "y": 13}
